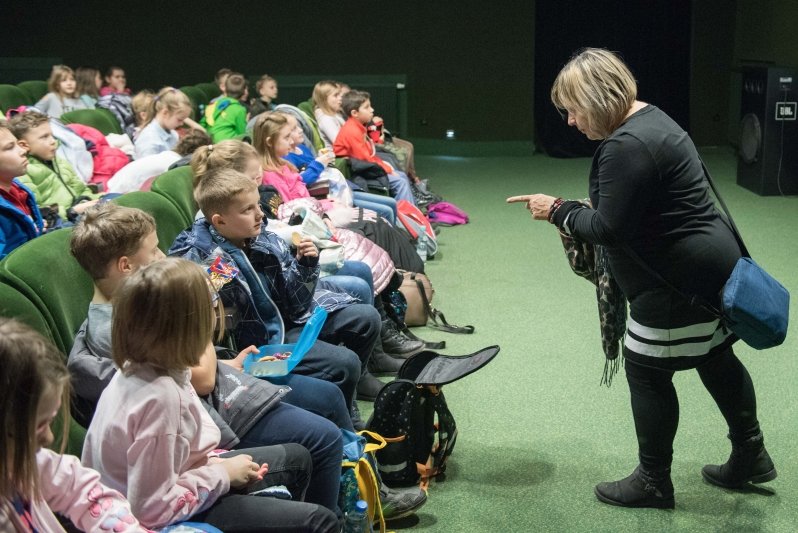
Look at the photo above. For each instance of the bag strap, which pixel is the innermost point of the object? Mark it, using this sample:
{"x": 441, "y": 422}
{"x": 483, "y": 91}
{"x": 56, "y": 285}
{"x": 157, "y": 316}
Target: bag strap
{"x": 437, "y": 318}
{"x": 694, "y": 299}
{"x": 734, "y": 229}
{"x": 428, "y": 345}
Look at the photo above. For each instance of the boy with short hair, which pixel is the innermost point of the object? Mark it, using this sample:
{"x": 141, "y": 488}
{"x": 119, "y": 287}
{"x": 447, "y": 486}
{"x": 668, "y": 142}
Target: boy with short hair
{"x": 20, "y": 219}
{"x": 52, "y": 179}
{"x": 226, "y": 116}
{"x": 353, "y": 141}
{"x": 110, "y": 242}
{"x": 270, "y": 292}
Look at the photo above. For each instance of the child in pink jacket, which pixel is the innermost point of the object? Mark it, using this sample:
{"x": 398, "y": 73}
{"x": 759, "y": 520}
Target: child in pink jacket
{"x": 35, "y": 482}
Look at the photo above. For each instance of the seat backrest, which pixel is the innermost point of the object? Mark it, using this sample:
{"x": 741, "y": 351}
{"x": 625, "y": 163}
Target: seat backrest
{"x": 210, "y": 89}
{"x": 307, "y": 107}
{"x": 14, "y": 305}
{"x": 197, "y": 97}
{"x": 12, "y": 97}
{"x": 35, "y": 89}
{"x": 99, "y": 119}
{"x": 45, "y": 272}
{"x": 169, "y": 220}
{"x": 177, "y": 185}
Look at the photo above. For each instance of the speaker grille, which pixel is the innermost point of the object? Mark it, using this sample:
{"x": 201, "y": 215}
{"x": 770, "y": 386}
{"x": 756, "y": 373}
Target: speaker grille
{"x": 750, "y": 138}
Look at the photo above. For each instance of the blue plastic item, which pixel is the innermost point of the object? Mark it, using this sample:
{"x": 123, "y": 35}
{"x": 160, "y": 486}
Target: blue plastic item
{"x": 283, "y": 367}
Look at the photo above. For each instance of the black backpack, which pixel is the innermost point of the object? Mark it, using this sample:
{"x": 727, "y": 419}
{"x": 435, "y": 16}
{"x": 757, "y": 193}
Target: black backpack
{"x": 412, "y": 415}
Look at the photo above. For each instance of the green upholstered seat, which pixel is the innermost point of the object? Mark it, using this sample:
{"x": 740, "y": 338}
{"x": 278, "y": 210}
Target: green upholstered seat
{"x": 45, "y": 272}
{"x": 210, "y": 89}
{"x": 100, "y": 119}
{"x": 12, "y": 97}
{"x": 198, "y": 100}
{"x": 14, "y": 305}
{"x": 307, "y": 107}
{"x": 35, "y": 89}
{"x": 169, "y": 220}
{"x": 177, "y": 186}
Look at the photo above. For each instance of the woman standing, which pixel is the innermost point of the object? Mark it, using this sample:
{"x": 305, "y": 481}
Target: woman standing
{"x": 649, "y": 195}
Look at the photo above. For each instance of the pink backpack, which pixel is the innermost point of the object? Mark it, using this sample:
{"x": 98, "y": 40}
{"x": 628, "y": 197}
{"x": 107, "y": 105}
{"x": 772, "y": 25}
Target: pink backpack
{"x": 447, "y": 214}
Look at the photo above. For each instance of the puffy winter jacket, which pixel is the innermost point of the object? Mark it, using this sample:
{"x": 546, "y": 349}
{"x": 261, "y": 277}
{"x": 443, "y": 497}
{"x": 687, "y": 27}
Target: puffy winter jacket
{"x": 107, "y": 159}
{"x": 55, "y": 182}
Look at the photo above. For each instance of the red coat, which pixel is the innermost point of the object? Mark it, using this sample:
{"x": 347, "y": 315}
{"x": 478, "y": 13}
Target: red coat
{"x": 352, "y": 141}
{"x": 107, "y": 159}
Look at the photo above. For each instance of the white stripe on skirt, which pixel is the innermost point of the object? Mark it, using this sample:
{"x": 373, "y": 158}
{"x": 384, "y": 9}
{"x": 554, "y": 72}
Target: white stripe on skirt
{"x": 702, "y": 346}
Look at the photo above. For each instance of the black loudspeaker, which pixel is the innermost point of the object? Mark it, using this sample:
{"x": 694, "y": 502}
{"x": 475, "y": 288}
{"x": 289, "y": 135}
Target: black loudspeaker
{"x": 768, "y": 153}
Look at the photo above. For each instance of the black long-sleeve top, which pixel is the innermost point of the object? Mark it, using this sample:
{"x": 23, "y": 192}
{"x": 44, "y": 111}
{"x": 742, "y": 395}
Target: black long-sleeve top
{"x": 648, "y": 190}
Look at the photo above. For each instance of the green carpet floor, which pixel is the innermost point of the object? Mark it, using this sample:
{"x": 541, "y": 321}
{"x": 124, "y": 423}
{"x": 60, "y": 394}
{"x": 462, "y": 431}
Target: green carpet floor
{"x": 536, "y": 430}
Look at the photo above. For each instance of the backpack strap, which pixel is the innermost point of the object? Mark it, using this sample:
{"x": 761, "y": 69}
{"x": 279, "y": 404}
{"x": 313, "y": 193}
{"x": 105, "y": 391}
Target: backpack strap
{"x": 437, "y": 318}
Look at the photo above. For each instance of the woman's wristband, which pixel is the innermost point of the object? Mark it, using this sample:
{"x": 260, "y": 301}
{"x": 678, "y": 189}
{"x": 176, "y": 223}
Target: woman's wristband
{"x": 553, "y": 209}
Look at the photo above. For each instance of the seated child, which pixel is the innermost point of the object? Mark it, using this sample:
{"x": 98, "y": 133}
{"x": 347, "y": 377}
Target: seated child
{"x": 52, "y": 179}
{"x": 310, "y": 168}
{"x": 20, "y": 219}
{"x": 152, "y": 439}
{"x": 267, "y": 92}
{"x": 273, "y": 293}
{"x": 63, "y": 95}
{"x": 327, "y": 110}
{"x": 112, "y": 242}
{"x": 36, "y": 482}
{"x": 115, "y": 82}
{"x": 89, "y": 84}
{"x": 168, "y": 111}
{"x": 140, "y": 105}
{"x": 226, "y": 117}
{"x": 353, "y": 141}
{"x": 135, "y": 174}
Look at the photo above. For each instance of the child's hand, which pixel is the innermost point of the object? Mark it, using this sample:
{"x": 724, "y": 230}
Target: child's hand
{"x": 306, "y": 248}
{"x": 242, "y": 470}
{"x": 238, "y": 362}
{"x": 326, "y": 157}
{"x": 81, "y": 207}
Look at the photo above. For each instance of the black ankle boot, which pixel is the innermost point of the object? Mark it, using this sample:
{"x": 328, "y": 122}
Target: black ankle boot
{"x": 368, "y": 387}
{"x": 382, "y": 363}
{"x": 639, "y": 490}
{"x": 749, "y": 462}
{"x": 397, "y": 344}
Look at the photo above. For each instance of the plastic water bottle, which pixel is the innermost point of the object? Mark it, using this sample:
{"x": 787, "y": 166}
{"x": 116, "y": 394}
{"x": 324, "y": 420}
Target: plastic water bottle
{"x": 421, "y": 246}
{"x": 357, "y": 520}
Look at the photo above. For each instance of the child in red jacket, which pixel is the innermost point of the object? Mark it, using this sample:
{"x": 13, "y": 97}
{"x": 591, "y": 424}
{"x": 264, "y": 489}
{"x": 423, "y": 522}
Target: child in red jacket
{"x": 353, "y": 141}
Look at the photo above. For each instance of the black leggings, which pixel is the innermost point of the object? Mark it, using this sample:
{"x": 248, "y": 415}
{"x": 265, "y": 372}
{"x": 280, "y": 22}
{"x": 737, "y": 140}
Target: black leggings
{"x": 655, "y": 405}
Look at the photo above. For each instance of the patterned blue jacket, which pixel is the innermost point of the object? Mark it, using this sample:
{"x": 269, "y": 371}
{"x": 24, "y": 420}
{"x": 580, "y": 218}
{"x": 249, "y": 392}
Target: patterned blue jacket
{"x": 262, "y": 289}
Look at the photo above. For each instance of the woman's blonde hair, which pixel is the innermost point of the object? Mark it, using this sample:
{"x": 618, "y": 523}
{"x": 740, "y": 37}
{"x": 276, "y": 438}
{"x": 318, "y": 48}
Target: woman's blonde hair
{"x": 226, "y": 154}
{"x": 57, "y": 75}
{"x": 597, "y": 84}
{"x": 29, "y": 366}
{"x": 170, "y": 99}
{"x": 322, "y": 91}
{"x": 164, "y": 316}
{"x": 266, "y": 128}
